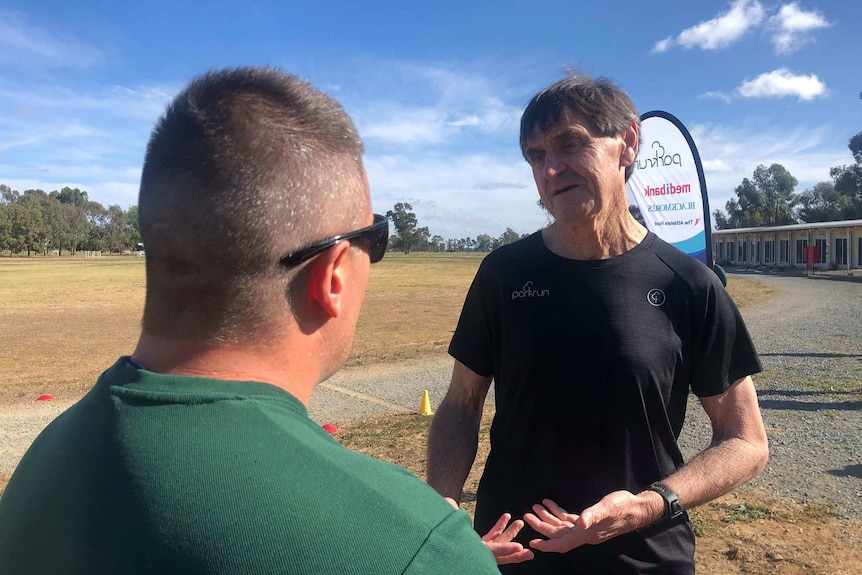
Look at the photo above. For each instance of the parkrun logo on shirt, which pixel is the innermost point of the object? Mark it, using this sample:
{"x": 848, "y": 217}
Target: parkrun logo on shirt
{"x": 528, "y": 291}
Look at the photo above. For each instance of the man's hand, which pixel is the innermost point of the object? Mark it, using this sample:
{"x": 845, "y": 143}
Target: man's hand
{"x": 499, "y": 541}
{"x": 617, "y": 513}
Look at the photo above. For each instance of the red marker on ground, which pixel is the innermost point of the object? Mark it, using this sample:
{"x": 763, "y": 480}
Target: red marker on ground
{"x": 45, "y": 397}
{"x": 330, "y": 428}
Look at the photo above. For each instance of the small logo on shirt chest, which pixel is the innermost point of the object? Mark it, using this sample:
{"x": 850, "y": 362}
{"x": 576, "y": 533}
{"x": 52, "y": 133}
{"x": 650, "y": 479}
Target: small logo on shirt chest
{"x": 655, "y": 297}
{"x": 528, "y": 291}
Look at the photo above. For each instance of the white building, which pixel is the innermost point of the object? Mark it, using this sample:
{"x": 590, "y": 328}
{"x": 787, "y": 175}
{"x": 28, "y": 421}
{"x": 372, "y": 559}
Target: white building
{"x": 839, "y": 245}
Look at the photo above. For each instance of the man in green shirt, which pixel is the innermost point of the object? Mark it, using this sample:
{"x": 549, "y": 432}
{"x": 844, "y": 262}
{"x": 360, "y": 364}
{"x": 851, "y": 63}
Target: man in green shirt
{"x": 196, "y": 453}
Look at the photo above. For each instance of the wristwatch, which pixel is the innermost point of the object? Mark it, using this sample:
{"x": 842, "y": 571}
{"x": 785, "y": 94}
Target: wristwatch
{"x": 672, "y": 506}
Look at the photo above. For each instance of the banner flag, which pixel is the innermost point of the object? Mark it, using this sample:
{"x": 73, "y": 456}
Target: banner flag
{"x": 669, "y": 187}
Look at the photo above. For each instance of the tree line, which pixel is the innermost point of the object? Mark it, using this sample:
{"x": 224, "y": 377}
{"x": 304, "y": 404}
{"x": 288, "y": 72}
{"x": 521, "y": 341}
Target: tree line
{"x": 67, "y": 221}
{"x": 769, "y": 198}
{"x": 409, "y": 237}
{"x": 64, "y": 220}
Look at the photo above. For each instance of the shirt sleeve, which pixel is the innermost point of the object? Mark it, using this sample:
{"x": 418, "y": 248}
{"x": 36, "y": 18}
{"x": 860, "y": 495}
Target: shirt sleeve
{"x": 453, "y": 547}
{"x": 472, "y": 342}
{"x": 722, "y": 349}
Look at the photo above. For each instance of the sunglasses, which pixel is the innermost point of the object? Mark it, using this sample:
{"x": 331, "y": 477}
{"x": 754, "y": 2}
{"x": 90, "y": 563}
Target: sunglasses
{"x": 377, "y": 235}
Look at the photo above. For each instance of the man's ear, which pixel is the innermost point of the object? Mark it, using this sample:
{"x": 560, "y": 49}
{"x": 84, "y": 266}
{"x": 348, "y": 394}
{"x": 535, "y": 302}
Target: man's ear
{"x": 631, "y": 141}
{"x": 328, "y": 279}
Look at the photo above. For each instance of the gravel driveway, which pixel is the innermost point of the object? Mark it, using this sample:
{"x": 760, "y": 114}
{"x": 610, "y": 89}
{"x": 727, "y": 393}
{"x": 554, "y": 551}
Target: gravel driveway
{"x": 810, "y": 341}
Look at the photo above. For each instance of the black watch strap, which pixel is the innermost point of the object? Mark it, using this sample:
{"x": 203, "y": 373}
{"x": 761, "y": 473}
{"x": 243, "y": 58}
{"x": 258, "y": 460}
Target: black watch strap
{"x": 672, "y": 506}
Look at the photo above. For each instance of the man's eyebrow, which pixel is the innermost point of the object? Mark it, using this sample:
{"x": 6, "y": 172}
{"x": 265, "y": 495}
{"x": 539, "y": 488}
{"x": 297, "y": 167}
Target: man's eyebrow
{"x": 555, "y": 137}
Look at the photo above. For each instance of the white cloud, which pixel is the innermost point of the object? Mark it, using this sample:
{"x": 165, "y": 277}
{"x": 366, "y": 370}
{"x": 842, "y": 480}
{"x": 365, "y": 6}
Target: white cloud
{"x": 394, "y": 126}
{"x": 24, "y": 43}
{"x": 792, "y": 25}
{"x": 139, "y": 103}
{"x": 461, "y": 196}
{"x": 781, "y": 83}
{"x": 717, "y": 165}
{"x": 717, "y": 95}
{"x": 663, "y": 45}
{"x": 92, "y": 138}
{"x": 718, "y": 32}
{"x": 450, "y": 105}
{"x": 499, "y": 186}
{"x": 731, "y": 154}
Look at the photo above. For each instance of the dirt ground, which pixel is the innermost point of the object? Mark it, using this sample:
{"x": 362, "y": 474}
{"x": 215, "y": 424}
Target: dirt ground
{"x": 746, "y": 532}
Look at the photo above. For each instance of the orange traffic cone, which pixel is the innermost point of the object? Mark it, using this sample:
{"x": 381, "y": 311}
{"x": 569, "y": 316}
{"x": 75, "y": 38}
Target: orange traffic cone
{"x": 425, "y": 404}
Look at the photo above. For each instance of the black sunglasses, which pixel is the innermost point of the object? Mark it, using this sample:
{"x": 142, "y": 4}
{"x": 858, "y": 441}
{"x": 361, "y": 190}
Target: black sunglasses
{"x": 377, "y": 234}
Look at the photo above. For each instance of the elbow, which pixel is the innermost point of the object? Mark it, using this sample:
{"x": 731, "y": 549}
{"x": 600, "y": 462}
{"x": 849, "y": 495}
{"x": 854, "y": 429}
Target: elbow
{"x": 758, "y": 456}
{"x": 762, "y": 457}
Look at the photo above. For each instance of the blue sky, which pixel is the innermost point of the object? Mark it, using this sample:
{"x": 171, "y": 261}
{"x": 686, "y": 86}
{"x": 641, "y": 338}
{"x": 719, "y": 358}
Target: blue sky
{"x": 436, "y": 89}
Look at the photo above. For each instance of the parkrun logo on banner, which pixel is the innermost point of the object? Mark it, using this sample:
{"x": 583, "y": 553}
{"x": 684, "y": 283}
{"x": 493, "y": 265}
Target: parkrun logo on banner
{"x": 660, "y": 159}
{"x": 528, "y": 291}
{"x": 668, "y": 190}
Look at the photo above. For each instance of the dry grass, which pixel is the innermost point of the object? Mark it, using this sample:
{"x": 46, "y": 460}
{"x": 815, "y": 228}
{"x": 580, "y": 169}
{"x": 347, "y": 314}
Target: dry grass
{"x": 65, "y": 319}
{"x": 412, "y": 306}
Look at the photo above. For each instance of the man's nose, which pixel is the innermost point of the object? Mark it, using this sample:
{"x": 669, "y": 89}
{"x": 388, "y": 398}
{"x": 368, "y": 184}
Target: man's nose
{"x": 554, "y": 165}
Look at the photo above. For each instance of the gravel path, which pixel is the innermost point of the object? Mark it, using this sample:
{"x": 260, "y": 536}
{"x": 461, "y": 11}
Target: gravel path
{"x": 810, "y": 341}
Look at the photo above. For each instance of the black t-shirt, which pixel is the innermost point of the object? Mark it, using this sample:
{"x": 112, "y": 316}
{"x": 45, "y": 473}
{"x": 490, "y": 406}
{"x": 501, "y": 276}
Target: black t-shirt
{"x": 592, "y": 363}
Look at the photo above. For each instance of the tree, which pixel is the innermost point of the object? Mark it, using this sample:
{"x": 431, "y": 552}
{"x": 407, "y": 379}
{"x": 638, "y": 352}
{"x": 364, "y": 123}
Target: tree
{"x": 97, "y": 224}
{"x": 509, "y": 236}
{"x": 721, "y": 220}
{"x": 117, "y": 229}
{"x": 74, "y": 227}
{"x": 408, "y": 237}
{"x": 776, "y": 185}
{"x": 746, "y": 210}
{"x": 821, "y": 204}
{"x": 5, "y": 226}
{"x": 848, "y": 180}
{"x": 765, "y": 200}
{"x": 72, "y": 196}
{"x": 134, "y": 226}
{"x": 20, "y": 226}
{"x": 42, "y": 208}
{"x": 484, "y": 243}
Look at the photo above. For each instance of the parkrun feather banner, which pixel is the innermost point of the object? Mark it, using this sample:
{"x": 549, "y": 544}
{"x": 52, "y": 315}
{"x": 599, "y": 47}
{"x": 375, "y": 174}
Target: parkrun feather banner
{"x": 669, "y": 186}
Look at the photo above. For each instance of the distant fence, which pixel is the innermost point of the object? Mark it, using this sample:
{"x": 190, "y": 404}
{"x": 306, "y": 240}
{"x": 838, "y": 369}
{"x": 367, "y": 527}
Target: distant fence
{"x": 93, "y": 255}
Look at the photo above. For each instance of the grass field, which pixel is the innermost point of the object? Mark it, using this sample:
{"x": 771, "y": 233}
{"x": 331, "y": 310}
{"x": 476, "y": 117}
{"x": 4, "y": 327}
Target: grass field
{"x": 64, "y": 320}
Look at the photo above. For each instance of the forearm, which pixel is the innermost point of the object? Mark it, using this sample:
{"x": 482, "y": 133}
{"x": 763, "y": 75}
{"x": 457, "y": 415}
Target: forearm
{"x": 453, "y": 441}
{"x": 717, "y": 470}
{"x": 738, "y": 450}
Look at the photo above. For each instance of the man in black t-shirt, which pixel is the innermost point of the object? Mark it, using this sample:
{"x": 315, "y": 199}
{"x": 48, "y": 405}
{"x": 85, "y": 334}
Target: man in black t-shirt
{"x": 594, "y": 332}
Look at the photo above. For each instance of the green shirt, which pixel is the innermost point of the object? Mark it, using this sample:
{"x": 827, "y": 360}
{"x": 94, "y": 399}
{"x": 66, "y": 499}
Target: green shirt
{"x": 153, "y": 473}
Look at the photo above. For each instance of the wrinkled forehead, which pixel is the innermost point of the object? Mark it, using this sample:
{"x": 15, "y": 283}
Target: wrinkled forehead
{"x": 553, "y": 125}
